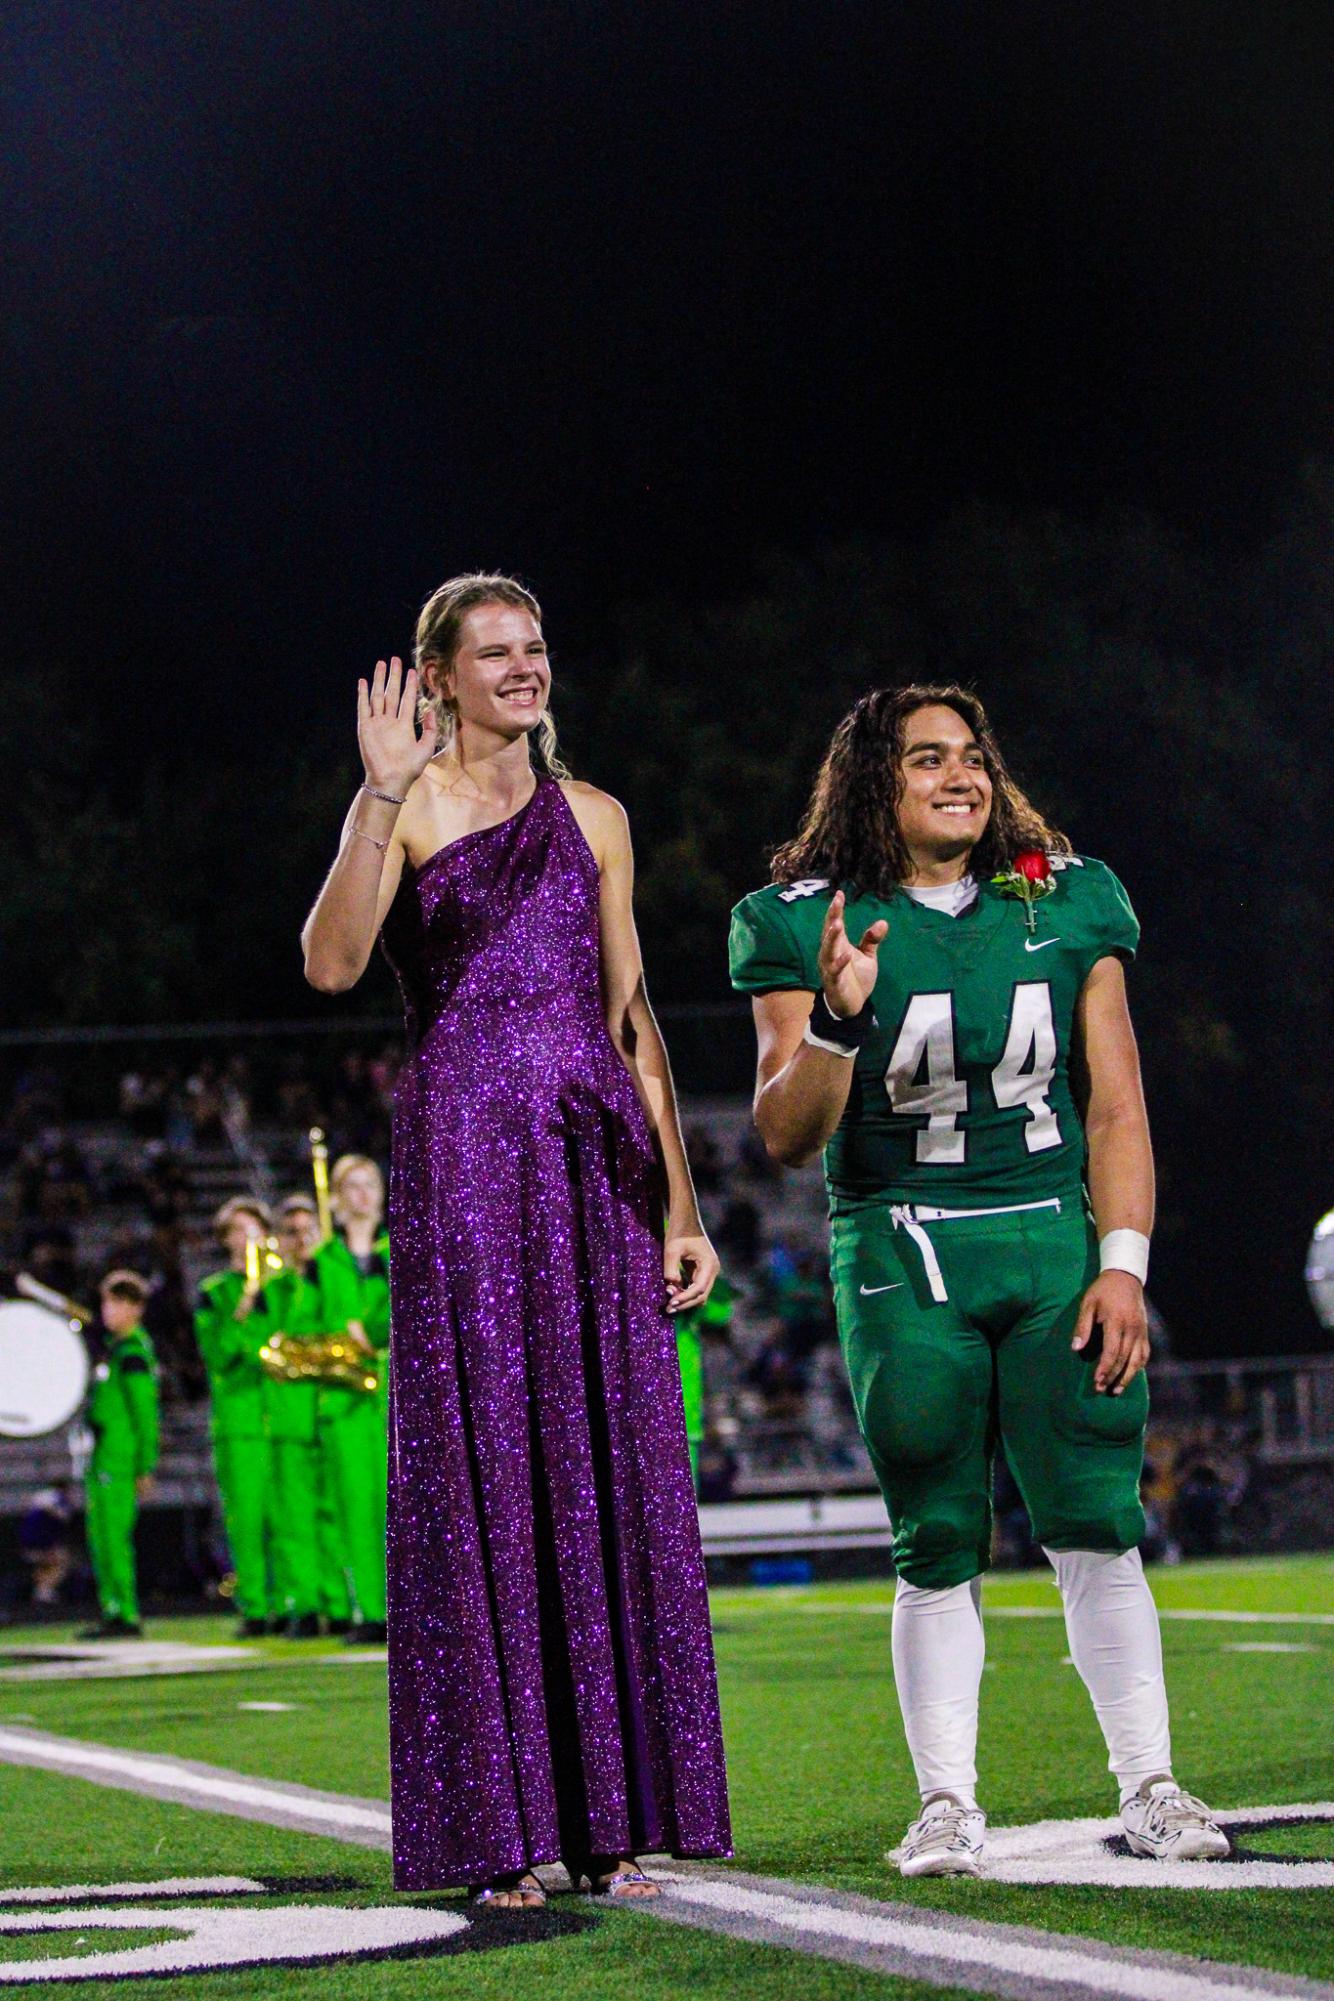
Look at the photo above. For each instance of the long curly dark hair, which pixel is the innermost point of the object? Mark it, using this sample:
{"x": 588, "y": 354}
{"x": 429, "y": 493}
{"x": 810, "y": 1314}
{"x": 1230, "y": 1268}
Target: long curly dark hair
{"x": 850, "y": 832}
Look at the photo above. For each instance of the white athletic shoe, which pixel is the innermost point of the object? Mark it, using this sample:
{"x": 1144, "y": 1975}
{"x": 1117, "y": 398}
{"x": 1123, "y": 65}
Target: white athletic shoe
{"x": 1171, "y": 1825}
{"x": 945, "y": 1840}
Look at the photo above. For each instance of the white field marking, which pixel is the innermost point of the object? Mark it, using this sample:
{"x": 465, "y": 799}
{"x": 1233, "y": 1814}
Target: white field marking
{"x": 1057, "y": 1611}
{"x": 1267, "y": 1647}
{"x": 268, "y": 1708}
{"x": 355, "y": 1657}
{"x": 213, "y": 1938}
{"x": 167, "y": 1886}
{"x": 978, "y": 1953}
{"x": 990, "y": 1611}
{"x": 116, "y": 1660}
{"x": 1073, "y": 1851}
{"x": 166, "y": 1778}
{"x": 999, "y": 1958}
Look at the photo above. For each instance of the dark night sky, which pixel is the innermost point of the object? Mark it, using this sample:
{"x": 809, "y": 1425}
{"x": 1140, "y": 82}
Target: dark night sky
{"x": 309, "y": 306}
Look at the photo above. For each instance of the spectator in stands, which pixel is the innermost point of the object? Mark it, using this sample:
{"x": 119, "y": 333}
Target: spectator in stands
{"x": 738, "y": 1234}
{"x": 39, "y": 1100}
{"x": 1200, "y": 1515}
{"x": 779, "y": 1376}
{"x": 204, "y": 1098}
{"x": 54, "y": 1179}
{"x": 48, "y": 1253}
{"x": 804, "y": 1304}
{"x": 1158, "y": 1544}
{"x": 46, "y": 1541}
{"x": 142, "y": 1101}
{"x": 298, "y": 1105}
{"x": 234, "y": 1093}
{"x": 717, "y": 1475}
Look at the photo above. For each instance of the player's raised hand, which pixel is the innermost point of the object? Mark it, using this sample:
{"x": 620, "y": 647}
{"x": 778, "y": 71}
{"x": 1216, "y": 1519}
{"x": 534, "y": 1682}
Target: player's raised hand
{"x": 1114, "y": 1303}
{"x": 391, "y": 750}
{"x": 848, "y": 971}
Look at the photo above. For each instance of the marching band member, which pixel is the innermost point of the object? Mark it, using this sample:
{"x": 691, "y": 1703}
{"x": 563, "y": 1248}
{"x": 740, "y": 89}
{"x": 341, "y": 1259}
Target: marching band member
{"x": 123, "y": 1418}
{"x": 351, "y": 1272}
{"x": 309, "y": 1570}
{"x": 229, "y": 1337}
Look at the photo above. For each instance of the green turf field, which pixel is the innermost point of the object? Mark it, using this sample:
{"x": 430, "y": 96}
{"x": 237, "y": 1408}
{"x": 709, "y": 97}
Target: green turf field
{"x": 821, "y": 1786}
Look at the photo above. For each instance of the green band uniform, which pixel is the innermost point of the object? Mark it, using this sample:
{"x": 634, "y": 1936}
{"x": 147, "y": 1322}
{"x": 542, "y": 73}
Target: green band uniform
{"x": 123, "y": 1418}
{"x": 241, "y": 1457}
{"x": 310, "y": 1575}
{"x": 716, "y": 1312}
{"x": 956, "y": 1328}
{"x": 352, "y": 1424}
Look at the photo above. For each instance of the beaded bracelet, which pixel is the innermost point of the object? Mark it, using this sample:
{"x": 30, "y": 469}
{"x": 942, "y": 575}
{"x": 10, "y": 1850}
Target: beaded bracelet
{"x": 390, "y": 798}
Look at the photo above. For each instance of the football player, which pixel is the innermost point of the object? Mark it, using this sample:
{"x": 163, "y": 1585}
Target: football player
{"x": 940, "y": 1003}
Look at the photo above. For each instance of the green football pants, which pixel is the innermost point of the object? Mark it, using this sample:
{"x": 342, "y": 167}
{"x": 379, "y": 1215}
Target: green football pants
{"x": 245, "y": 1483}
{"x": 355, "y": 1455}
{"x": 936, "y": 1383}
{"x": 112, "y": 1506}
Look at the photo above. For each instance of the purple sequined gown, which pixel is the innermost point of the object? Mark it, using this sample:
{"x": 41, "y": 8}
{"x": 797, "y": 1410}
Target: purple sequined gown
{"x": 551, "y": 1678}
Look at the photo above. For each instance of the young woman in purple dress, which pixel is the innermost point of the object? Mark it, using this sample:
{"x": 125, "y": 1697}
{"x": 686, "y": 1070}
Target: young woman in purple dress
{"x": 551, "y": 1679}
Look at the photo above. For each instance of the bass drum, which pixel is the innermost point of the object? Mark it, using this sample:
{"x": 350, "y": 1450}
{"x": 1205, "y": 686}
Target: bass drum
{"x": 1320, "y": 1271}
{"x": 43, "y": 1370}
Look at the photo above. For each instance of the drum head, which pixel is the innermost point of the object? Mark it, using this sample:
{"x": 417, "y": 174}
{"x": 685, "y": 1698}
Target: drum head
{"x": 43, "y": 1370}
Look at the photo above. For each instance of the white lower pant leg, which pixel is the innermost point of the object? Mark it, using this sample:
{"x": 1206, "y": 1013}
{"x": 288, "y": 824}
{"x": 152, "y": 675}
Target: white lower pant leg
{"x": 1111, "y": 1622}
{"x": 938, "y": 1656}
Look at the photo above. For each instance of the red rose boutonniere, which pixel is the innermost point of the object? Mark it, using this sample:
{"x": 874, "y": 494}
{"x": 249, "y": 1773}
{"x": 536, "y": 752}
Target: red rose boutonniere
{"x": 1029, "y": 876}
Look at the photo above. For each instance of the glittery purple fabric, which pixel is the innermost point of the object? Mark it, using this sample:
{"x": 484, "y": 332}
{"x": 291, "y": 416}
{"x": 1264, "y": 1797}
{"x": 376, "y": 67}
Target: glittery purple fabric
{"x": 551, "y": 1677}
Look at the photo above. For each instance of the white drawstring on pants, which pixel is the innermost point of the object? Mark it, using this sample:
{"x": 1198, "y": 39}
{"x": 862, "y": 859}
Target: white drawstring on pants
{"x": 910, "y": 1216}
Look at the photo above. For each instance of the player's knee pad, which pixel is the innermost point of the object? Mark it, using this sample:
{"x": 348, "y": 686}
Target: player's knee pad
{"x": 911, "y": 1427}
{"x": 1086, "y": 1416}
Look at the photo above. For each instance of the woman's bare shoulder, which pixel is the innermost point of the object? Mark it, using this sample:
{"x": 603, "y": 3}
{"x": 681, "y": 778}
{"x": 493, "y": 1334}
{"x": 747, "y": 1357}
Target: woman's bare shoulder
{"x": 601, "y": 818}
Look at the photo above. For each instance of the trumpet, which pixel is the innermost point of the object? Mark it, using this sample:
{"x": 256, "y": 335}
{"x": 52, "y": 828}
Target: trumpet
{"x": 330, "y": 1359}
{"x": 262, "y": 1260}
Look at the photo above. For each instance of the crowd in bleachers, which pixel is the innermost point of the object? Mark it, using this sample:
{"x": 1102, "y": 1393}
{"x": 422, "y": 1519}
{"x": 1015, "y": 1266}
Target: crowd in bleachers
{"x": 127, "y": 1174}
{"x": 125, "y": 1171}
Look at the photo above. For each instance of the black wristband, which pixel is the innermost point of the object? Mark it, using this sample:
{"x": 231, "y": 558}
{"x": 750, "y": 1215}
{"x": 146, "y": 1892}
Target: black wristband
{"x": 846, "y": 1032}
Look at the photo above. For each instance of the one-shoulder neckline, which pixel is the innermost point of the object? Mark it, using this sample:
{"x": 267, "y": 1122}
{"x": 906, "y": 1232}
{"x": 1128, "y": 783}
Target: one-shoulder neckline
{"x": 476, "y": 833}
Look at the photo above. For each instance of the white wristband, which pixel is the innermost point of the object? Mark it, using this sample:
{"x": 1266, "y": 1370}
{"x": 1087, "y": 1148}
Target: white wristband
{"x": 830, "y": 1048}
{"x": 1125, "y": 1250}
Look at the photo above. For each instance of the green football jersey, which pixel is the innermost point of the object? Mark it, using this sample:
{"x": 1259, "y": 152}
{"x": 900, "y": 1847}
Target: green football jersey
{"x": 961, "y": 1096}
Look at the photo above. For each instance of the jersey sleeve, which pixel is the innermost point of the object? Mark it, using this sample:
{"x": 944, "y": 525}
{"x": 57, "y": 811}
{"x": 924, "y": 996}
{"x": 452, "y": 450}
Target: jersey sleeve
{"x": 207, "y": 1328}
{"x": 764, "y": 952}
{"x": 1114, "y": 924}
{"x": 140, "y": 1391}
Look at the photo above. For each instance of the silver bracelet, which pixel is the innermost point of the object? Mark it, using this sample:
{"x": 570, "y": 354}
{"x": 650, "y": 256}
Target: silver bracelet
{"x": 390, "y": 798}
{"x": 362, "y": 835}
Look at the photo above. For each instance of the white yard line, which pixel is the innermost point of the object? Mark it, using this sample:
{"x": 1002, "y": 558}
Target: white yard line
{"x": 1013, "y": 1961}
{"x": 997, "y": 1959}
{"x": 362, "y": 1821}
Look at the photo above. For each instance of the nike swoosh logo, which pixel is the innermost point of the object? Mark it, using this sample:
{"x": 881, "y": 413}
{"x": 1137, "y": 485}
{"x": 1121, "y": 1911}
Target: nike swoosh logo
{"x": 1041, "y": 945}
{"x": 867, "y": 1290}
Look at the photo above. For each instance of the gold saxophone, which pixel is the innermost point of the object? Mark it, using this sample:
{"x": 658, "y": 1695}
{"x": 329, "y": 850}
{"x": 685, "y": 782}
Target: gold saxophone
{"x": 330, "y": 1359}
{"x": 325, "y": 1358}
